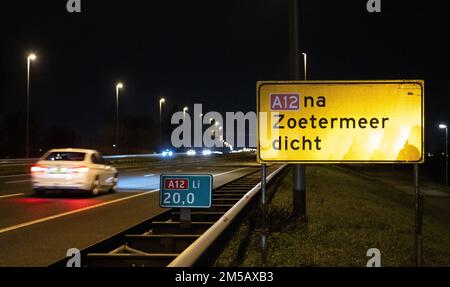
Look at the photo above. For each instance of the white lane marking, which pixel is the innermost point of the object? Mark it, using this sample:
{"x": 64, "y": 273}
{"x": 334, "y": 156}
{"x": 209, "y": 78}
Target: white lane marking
{"x": 14, "y": 175}
{"x": 17, "y": 181}
{"x": 234, "y": 170}
{"x": 11, "y": 195}
{"x": 136, "y": 169}
{"x": 148, "y": 175}
{"x": 6, "y": 229}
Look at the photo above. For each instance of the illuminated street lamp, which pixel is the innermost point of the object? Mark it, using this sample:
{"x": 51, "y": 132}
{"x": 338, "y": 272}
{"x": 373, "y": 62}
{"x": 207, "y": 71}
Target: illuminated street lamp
{"x": 30, "y": 58}
{"x": 185, "y": 109}
{"x": 304, "y": 65}
{"x": 118, "y": 87}
{"x": 442, "y": 126}
{"x": 161, "y": 101}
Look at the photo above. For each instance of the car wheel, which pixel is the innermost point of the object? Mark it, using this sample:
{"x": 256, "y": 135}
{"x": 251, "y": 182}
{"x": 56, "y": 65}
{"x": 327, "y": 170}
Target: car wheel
{"x": 95, "y": 190}
{"x": 114, "y": 186}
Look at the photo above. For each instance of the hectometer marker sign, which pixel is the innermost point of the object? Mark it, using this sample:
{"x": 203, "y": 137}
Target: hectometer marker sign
{"x": 185, "y": 191}
{"x": 341, "y": 121}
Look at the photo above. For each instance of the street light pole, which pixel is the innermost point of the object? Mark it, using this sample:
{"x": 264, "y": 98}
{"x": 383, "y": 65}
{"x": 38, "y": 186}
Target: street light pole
{"x": 444, "y": 126}
{"x": 446, "y": 155}
{"x": 30, "y": 58}
{"x": 299, "y": 172}
{"x": 118, "y": 87}
{"x": 304, "y": 65}
{"x": 161, "y": 101}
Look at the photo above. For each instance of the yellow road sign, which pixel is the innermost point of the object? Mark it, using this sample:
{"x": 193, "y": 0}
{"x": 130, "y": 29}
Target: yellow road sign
{"x": 341, "y": 121}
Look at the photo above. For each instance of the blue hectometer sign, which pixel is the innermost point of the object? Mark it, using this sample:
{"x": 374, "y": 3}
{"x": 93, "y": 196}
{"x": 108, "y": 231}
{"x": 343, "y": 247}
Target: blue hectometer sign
{"x": 185, "y": 191}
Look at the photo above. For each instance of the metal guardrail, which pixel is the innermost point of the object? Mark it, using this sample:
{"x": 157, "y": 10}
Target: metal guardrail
{"x": 131, "y": 156}
{"x": 192, "y": 253}
{"x": 27, "y": 161}
{"x": 17, "y": 160}
{"x": 12, "y": 160}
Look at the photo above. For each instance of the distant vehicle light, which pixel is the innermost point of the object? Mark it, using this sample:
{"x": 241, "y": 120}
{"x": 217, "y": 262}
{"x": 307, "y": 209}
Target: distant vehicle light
{"x": 167, "y": 153}
{"x": 206, "y": 152}
{"x": 191, "y": 152}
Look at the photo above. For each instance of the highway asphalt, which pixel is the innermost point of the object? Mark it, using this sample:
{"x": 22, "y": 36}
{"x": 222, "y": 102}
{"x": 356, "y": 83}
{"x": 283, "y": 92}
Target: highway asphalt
{"x": 37, "y": 231}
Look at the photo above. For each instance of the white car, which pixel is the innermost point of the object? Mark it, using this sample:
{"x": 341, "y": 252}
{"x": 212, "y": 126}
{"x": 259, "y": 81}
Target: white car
{"x": 73, "y": 169}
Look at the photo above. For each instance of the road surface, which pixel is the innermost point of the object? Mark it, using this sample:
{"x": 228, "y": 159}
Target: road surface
{"x": 37, "y": 231}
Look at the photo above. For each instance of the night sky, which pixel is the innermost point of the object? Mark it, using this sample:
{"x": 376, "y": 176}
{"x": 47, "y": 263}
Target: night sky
{"x": 209, "y": 52}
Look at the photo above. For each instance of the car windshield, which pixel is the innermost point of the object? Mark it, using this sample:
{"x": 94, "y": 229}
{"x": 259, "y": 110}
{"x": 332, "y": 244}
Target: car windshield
{"x": 67, "y": 156}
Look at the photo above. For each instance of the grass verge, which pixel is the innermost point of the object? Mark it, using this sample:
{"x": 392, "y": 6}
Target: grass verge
{"x": 347, "y": 215}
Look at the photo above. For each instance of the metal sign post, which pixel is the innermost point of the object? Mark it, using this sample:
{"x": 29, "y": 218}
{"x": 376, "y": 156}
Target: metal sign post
{"x": 419, "y": 218}
{"x": 185, "y": 217}
{"x": 299, "y": 195}
{"x": 264, "y": 214}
